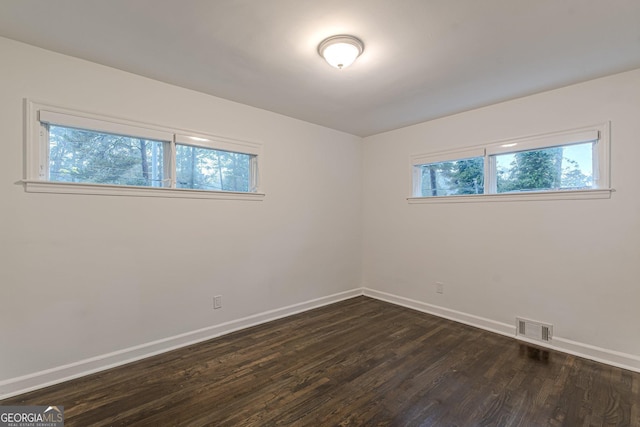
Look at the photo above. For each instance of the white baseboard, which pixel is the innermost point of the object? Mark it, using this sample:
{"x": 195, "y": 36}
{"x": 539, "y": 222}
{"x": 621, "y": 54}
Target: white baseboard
{"x": 587, "y": 351}
{"x": 457, "y": 316}
{"x": 30, "y": 382}
{"x": 597, "y": 354}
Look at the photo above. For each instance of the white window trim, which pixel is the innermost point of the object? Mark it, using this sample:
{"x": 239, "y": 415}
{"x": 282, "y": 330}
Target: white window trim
{"x": 218, "y": 143}
{"x": 443, "y": 156}
{"x": 448, "y": 156}
{"x": 601, "y": 167}
{"x": 36, "y": 159}
{"x": 37, "y": 186}
{"x": 83, "y": 121}
{"x": 224, "y": 144}
{"x": 555, "y": 139}
{"x": 517, "y": 197}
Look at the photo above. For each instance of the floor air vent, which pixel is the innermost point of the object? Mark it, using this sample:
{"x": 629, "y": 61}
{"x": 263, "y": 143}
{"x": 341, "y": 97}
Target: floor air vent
{"x": 534, "y": 330}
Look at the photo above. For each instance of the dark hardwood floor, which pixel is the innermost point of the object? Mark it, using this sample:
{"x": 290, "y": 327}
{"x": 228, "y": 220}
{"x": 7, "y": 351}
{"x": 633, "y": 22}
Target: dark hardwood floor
{"x": 360, "y": 362}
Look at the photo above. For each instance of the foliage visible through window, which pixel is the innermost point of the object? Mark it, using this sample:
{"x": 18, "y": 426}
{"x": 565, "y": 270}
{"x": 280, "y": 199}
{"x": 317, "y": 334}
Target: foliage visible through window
{"x": 453, "y": 178}
{"x": 112, "y": 156}
{"x": 95, "y": 157}
{"x": 573, "y": 160}
{"x": 209, "y": 169}
{"x": 558, "y": 168}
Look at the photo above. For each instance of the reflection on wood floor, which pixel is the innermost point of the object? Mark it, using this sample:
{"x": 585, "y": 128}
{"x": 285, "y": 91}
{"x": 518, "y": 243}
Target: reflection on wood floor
{"x": 360, "y": 362}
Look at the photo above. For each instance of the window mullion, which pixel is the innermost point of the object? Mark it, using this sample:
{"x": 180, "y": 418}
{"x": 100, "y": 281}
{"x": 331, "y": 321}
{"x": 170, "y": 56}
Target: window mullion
{"x": 253, "y": 174}
{"x": 43, "y": 164}
{"x": 491, "y": 175}
{"x": 170, "y": 163}
{"x": 417, "y": 181}
{"x": 597, "y": 174}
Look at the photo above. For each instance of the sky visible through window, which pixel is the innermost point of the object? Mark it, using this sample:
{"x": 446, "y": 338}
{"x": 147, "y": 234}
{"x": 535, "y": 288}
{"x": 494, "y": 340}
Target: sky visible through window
{"x": 575, "y": 169}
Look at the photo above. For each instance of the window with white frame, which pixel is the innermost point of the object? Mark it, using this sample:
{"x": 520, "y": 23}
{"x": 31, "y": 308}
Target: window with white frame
{"x": 75, "y": 152}
{"x": 574, "y": 161}
{"x": 449, "y": 174}
{"x": 202, "y": 167}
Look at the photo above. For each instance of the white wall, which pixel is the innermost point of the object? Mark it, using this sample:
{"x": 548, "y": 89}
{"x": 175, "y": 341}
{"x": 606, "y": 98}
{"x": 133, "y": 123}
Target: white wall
{"x": 573, "y": 263}
{"x": 86, "y": 276}
{"x": 83, "y": 276}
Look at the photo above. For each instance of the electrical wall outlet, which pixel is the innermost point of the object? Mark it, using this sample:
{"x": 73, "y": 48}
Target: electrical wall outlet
{"x": 440, "y": 287}
{"x": 217, "y": 302}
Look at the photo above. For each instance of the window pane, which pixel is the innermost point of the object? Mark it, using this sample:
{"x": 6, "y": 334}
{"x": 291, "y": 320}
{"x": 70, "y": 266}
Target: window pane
{"x": 77, "y": 155}
{"x": 558, "y": 168}
{"x": 453, "y": 178}
{"x": 208, "y": 169}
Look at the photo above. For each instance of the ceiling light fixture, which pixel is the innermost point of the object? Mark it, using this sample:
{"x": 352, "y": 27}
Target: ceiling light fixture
{"x": 340, "y": 51}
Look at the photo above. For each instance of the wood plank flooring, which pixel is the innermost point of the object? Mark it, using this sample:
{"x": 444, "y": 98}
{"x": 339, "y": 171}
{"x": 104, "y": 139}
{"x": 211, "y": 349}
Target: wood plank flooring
{"x": 360, "y": 362}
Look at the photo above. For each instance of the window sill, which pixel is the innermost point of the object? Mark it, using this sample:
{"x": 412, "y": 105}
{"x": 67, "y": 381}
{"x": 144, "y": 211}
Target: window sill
{"x": 518, "y": 197}
{"x": 35, "y": 186}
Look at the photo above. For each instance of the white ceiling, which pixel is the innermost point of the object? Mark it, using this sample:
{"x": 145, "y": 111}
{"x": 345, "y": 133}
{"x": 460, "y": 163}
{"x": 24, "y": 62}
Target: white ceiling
{"x": 423, "y": 58}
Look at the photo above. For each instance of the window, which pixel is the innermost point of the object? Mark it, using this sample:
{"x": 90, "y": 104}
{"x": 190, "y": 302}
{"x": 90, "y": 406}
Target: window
{"x": 464, "y": 176}
{"x": 77, "y": 155}
{"x": 74, "y": 152}
{"x": 209, "y": 169}
{"x": 568, "y": 167}
{"x": 563, "y": 164}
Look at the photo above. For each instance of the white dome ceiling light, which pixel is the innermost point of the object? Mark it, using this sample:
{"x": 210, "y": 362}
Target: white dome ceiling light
{"x": 340, "y": 51}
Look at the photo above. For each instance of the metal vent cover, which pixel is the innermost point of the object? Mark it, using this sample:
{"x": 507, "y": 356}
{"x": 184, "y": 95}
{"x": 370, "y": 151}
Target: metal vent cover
{"x": 534, "y": 330}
